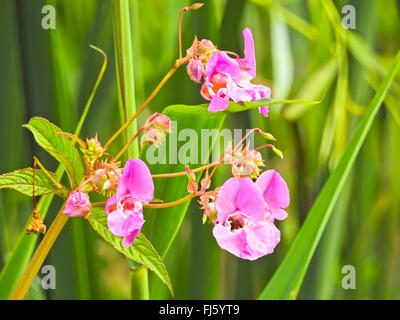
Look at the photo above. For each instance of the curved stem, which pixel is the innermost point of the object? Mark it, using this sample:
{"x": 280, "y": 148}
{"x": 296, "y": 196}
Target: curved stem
{"x": 158, "y": 205}
{"x": 127, "y": 146}
{"x": 177, "y": 64}
{"x": 184, "y": 173}
{"x": 39, "y": 256}
{"x": 170, "y": 204}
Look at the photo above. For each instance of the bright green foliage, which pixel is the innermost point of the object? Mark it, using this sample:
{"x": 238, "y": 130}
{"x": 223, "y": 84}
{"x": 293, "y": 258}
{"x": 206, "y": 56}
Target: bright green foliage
{"x": 286, "y": 282}
{"x": 242, "y": 106}
{"x": 162, "y": 225}
{"x": 141, "y": 251}
{"x": 22, "y": 180}
{"x": 59, "y": 146}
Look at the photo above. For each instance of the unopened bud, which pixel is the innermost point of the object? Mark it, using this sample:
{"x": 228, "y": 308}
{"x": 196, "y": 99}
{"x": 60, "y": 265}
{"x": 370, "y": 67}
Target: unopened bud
{"x": 277, "y": 152}
{"x": 163, "y": 122}
{"x": 192, "y": 185}
{"x": 195, "y": 70}
{"x": 94, "y": 149}
{"x": 152, "y": 137}
{"x": 196, "y": 6}
{"x": 267, "y": 135}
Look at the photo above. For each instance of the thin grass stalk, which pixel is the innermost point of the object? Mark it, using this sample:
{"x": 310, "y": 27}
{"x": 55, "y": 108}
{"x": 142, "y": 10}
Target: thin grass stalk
{"x": 126, "y": 83}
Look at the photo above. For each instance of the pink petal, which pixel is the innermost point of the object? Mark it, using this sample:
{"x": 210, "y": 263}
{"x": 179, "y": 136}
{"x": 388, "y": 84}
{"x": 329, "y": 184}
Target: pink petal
{"x": 249, "y": 54}
{"x": 234, "y": 242}
{"x": 264, "y": 110}
{"x": 129, "y": 239}
{"x": 248, "y": 243}
{"x": 220, "y": 62}
{"x": 262, "y": 239}
{"x": 240, "y": 194}
{"x": 111, "y": 204}
{"x": 218, "y": 103}
{"x": 123, "y": 223}
{"x": 115, "y": 222}
{"x": 274, "y": 189}
{"x": 278, "y": 214}
{"x": 136, "y": 181}
{"x": 195, "y": 70}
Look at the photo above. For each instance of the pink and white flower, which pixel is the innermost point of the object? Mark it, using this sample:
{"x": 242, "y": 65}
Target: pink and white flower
{"x": 241, "y": 227}
{"x": 125, "y": 209}
{"x": 229, "y": 78}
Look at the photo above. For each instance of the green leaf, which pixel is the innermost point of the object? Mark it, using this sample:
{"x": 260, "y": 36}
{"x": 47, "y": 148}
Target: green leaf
{"x": 242, "y": 106}
{"x": 22, "y": 180}
{"x": 59, "y": 146}
{"x": 287, "y": 280}
{"x": 162, "y": 225}
{"x": 142, "y": 251}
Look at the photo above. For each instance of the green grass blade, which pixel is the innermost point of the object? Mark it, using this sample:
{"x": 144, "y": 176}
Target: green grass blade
{"x": 124, "y": 61}
{"x": 287, "y": 280}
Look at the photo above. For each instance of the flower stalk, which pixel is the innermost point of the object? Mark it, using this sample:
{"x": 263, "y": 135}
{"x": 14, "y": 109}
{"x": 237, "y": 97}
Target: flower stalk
{"x": 40, "y": 254}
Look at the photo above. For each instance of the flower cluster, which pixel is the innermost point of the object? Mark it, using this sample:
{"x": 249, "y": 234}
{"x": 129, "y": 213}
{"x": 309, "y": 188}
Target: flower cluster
{"x": 226, "y": 78}
{"x": 242, "y": 211}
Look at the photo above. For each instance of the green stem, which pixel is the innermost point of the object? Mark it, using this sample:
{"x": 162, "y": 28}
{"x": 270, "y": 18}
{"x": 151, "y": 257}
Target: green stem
{"x": 139, "y": 283}
{"x": 126, "y": 83}
{"x": 39, "y": 256}
{"x": 124, "y": 61}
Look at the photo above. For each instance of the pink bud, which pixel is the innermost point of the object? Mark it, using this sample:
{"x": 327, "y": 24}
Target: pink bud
{"x": 163, "y": 122}
{"x": 78, "y": 204}
{"x": 152, "y": 136}
{"x": 195, "y": 69}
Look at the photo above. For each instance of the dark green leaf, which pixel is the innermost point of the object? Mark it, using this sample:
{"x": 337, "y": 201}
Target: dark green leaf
{"x": 22, "y": 180}
{"x": 163, "y": 224}
{"x": 142, "y": 251}
{"x": 59, "y": 146}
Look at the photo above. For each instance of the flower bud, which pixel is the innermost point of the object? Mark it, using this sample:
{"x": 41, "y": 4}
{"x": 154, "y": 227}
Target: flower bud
{"x": 192, "y": 185}
{"x": 207, "y": 202}
{"x": 152, "y": 136}
{"x": 195, "y": 70}
{"x": 78, "y": 205}
{"x": 162, "y": 122}
{"x": 94, "y": 150}
{"x": 248, "y": 164}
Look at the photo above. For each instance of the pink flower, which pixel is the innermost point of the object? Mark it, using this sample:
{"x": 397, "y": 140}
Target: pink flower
{"x": 240, "y": 227}
{"x": 275, "y": 193}
{"x": 125, "y": 209}
{"x": 229, "y": 78}
{"x": 78, "y": 205}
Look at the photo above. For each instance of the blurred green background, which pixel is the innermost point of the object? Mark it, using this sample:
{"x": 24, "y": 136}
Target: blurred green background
{"x": 302, "y": 52}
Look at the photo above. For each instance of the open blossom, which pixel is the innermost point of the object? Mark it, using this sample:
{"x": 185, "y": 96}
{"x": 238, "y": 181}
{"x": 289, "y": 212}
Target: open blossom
{"x": 78, "y": 205}
{"x": 125, "y": 209}
{"x": 228, "y": 78}
{"x": 241, "y": 227}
